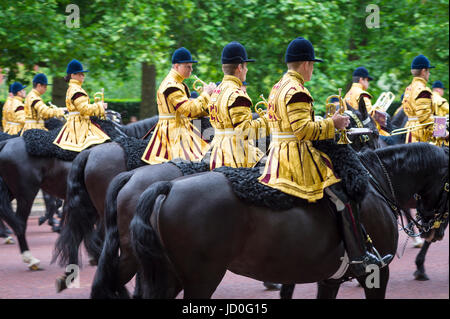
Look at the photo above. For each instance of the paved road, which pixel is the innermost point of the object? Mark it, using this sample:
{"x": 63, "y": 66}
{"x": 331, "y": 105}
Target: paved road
{"x": 16, "y": 281}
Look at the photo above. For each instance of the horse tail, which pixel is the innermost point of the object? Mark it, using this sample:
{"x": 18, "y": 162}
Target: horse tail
{"x": 6, "y": 212}
{"x": 79, "y": 217}
{"x": 146, "y": 245}
{"x": 105, "y": 281}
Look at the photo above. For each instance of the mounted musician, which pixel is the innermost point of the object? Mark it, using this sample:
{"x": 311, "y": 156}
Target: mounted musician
{"x": 175, "y": 136}
{"x": 357, "y": 97}
{"x": 35, "y": 109}
{"x": 417, "y": 102}
{"x": 14, "y": 113}
{"x": 79, "y": 132}
{"x": 5, "y": 107}
{"x": 231, "y": 115}
{"x": 294, "y": 166}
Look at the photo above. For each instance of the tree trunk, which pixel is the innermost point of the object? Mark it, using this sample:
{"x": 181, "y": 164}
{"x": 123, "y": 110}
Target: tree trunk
{"x": 148, "y": 91}
{"x": 59, "y": 88}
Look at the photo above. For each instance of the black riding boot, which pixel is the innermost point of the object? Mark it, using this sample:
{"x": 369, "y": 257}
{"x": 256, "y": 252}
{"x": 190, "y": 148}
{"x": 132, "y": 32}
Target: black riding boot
{"x": 355, "y": 239}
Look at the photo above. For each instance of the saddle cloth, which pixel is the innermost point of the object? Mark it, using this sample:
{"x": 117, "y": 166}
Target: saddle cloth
{"x": 40, "y": 142}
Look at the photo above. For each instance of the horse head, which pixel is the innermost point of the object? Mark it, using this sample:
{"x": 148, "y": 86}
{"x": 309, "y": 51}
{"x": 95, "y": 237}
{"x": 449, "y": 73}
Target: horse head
{"x": 360, "y": 118}
{"x": 114, "y": 116}
{"x": 433, "y": 202}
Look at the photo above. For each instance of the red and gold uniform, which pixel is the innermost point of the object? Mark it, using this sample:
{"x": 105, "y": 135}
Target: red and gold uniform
{"x": 354, "y": 96}
{"x": 418, "y": 107}
{"x": 14, "y": 116}
{"x": 231, "y": 116}
{"x": 294, "y": 166}
{"x": 36, "y": 112}
{"x": 79, "y": 132}
{"x": 174, "y": 135}
{"x": 4, "y": 110}
{"x": 357, "y": 95}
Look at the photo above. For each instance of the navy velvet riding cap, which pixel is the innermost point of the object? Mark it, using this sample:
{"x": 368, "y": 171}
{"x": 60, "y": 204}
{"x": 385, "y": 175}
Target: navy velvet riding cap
{"x": 235, "y": 53}
{"x": 16, "y": 87}
{"x": 75, "y": 66}
{"x": 182, "y": 55}
{"x": 300, "y": 49}
{"x": 421, "y": 62}
{"x": 362, "y": 73}
{"x": 40, "y": 78}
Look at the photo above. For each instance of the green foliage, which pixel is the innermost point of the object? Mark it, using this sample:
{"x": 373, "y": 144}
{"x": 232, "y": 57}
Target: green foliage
{"x": 116, "y": 36}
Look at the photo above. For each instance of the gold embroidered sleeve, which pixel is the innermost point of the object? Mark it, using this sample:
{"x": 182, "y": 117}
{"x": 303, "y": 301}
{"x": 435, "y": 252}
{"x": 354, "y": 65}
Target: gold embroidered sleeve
{"x": 46, "y": 112}
{"x": 4, "y": 116}
{"x": 424, "y": 108}
{"x": 19, "y": 115}
{"x": 299, "y": 114}
{"x": 82, "y": 105}
{"x": 190, "y": 108}
{"x": 243, "y": 122}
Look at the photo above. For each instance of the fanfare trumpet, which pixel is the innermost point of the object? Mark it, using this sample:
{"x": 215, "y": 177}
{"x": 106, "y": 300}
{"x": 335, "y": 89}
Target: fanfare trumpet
{"x": 439, "y": 127}
{"x": 384, "y": 101}
{"x": 261, "y": 112}
{"x": 198, "y": 84}
{"x": 330, "y": 108}
{"x": 100, "y": 97}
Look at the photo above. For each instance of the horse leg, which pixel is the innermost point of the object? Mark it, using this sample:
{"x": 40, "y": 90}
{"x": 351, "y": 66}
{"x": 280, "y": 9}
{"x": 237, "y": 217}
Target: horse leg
{"x": 51, "y": 209}
{"x": 375, "y": 284}
{"x": 5, "y": 233}
{"x": 287, "y": 290}
{"x": 23, "y": 212}
{"x": 327, "y": 289}
{"x": 420, "y": 274}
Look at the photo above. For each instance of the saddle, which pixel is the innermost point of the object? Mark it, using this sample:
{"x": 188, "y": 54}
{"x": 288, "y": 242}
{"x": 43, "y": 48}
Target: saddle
{"x": 245, "y": 184}
{"x": 40, "y": 142}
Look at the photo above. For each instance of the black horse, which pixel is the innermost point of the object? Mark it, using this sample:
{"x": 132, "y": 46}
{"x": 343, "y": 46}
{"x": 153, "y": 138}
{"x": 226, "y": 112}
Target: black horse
{"x": 92, "y": 172}
{"x": 21, "y": 177}
{"x": 123, "y": 194}
{"x": 188, "y": 244}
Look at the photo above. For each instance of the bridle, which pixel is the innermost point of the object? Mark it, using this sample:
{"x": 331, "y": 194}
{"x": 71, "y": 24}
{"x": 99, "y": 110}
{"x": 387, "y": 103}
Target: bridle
{"x": 440, "y": 214}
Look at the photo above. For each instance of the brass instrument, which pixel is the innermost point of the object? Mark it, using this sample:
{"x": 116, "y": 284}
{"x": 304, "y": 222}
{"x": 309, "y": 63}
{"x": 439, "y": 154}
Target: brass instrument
{"x": 198, "y": 84}
{"x": 405, "y": 130}
{"x": 100, "y": 97}
{"x": 384, "y": 101}
{"x": 343, "y": 139}
{"x": 330, "y": 108}
{"x": 261, "y": 112}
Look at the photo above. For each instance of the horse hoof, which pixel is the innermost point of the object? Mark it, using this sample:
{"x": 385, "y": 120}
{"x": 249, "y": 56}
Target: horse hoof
{"x": 34, "y": 267}
{"x": 42, "y": 220}
{"x": 60, "y": 284}
{"x": 9, "y": 240}
{"x": 420, "y": 276}
{"x": 272, "y": 286}
{"x": 56, "y": 229}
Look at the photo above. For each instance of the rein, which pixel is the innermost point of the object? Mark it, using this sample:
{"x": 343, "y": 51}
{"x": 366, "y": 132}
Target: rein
{"x": 435, "y": 222}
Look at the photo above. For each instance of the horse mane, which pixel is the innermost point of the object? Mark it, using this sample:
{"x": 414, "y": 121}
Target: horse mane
{"x": 140, "y": 128}
{"x": 414, "y": 156}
